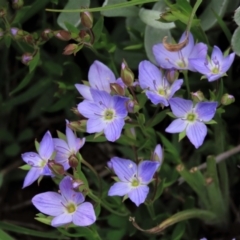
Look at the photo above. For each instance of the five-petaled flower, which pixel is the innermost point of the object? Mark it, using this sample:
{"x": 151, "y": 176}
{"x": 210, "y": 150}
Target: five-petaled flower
{"x": 38, "y": 161}
{"x": 100, "y": 77}
{"x": 67, "y": 207}
{"x": 157, "y": 88}
{"x": 191, "y": 118}
{"x": 133, "y": 178}
{"x": 105, "y": 113}
{"x": 180, "y": 59}
{"x": 67, "y": 150}
{"x": 215, "y": 67}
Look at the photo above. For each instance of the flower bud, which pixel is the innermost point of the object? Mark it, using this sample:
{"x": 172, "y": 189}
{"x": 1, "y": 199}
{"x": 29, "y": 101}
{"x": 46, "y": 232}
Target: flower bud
{"x": 197, "y": 96}
{"x": 158, "y": 154}
{"x": 72, "y": 49}
{"x": 75, "y": 111}
{"x": 117, "y": 89}
{"x": 227, "y": 99}
{"x": 56, "y": 167}
{"x": 47, "y": 34}
{"x": 86, "y": 19}
{"x": 14, "y": 31}
{"x": 132, "y": 106}
{"x": 3, "y": 12}
{"x": 62, "y": 35}
{"x": 76, "y": 183}
{"x": 126, "y": 74}
{"x": 84, "y": 36}
{"x": 17, "y": 4}
{"x": 131, "y": 133}
{"x": 29, "y": 39}
{"x": 26, "y": 58}
{"x": 73, "y": 161}
{"x": 171, "y": 75}
{"x": 79, "y": 126}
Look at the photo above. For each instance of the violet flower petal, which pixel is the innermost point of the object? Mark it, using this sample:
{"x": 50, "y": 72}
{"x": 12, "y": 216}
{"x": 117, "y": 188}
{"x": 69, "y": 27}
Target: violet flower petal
{"x": 84, "y": 91}
{"x": 125, "y": 169}
{"x": 175, "y": 87}
{"x": 49, "y": 203}
{"x": 61, "y": 219}
{"x": 113, "y": 130}
{"x": 95, "y": 125}
{"x": 177, "y": 126}
{"x": 31, "y": 158}
{"x": 89, "y": 109}
{"x": 196, "y": 133}
{"x": 33, "y": 174}
{"x": 100, "y": 76}
{"x": 146, "y": 170}
{"x": 46, "y": 146}
{"x": 84, "y": 215}
{"x": 157, "y": 99}
{"x": 180, "y": 107}
{"x": 206, "y": 110}
{"x": 119, "y": 189}
{"x": 139, "y": 194}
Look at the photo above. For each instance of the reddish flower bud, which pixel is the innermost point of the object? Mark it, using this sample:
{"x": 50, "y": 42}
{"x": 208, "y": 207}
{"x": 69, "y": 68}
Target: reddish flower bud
{"x": 227, "y": 99}
{"x": 26, "y": 58}
{"x": 126, "y": 74}
{"x": 79, "y": 126}
{"x": 72, "y": 49}
{"x": 132, "y": 106}
{"x": 86, "y": 19}
{"x": 17, "y": 4}
{"x": 56, "y": 167}
{"x": 3, "y": 12}
{"x": 197, "y": 96}
{"x": 117, "y": 89}
{"x": 29, "y": 39}
{"x": 84, "y": 36}
{"x": 47, "y": 34}
{"x": 171, "y": 75}
{"x": 76, "y": 183}
{"x": 63, "y": 35}
{"x": 73, "y": 161}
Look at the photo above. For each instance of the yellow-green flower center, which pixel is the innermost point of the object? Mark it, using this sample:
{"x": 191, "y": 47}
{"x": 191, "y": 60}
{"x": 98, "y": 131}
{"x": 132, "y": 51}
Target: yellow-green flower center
{"x": 135, "y": 182}
{"x": 42, "y": 164}
{"x": 162, "y": 92}
{"x": 182, "y": 64}
{"x": 215, "y": 70}
{"x": 191, "y": 117}
{"x": 71, "y": 208}
{"x": 109, "y": 114}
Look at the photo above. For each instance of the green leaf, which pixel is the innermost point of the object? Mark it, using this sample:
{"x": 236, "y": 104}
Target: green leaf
{"x": 36, "y": 144}
{"x": 34, "y": 62}
{"x": 160, "y": 189}
{"x": 181, "y": 135}
{"x": 131, "y": 11}
{"x": 7, "y": 40}
{"x": 25, "y": 167}
{"x": 98, "y": 28}
{"x": 158, "y": 118}
{"x": 237, "y": 16}
{"x": 70, "y": 17}
{"x": 153, "y": 36}
{"x": 26, "y": 134}
{"x": 23, "y": 83}
{"x": 208, "y": 19}
{"x": 12, "y": 150}
{"x": 5, "y": 236}
{"x": 150, "y": 17}
{"x": 211, "y": 122}
{"x": 61, "y": 136}
{"x": 20, "y": 14}
{"x": 13, "y": 228}
{"x": 236, "y": 41}
{"x": 178, "y": 231}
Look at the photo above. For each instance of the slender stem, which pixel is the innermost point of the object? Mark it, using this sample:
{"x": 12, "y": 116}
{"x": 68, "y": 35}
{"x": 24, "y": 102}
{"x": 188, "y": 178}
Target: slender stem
{"x": 155, "y": 186}
{"x": 196, "y": 6}
{"x": 219, "y": 158}
{"x": 154, "y": 115}
{"x": 185, "y": 74}
{"x": 96, "y": 199}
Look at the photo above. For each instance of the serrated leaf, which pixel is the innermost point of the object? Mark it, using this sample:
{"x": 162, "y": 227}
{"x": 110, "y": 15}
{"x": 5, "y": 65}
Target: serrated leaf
{"x": 207, "y": 18}
{"x": 72, "y": 17}
{"x": 236, "y": 41}
{"x": 151, "y": 17}
{"x": 131, "y": 11}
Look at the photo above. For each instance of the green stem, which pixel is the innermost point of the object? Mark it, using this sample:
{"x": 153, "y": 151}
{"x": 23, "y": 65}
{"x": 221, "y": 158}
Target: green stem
{"x": 96, "y": 199}
{"x": 196, "y": 6}
{"x": 185, "y": 74}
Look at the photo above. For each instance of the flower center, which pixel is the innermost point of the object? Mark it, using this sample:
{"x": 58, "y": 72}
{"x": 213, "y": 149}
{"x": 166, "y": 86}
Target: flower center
{"x": 215, "y": 70}
{"x": 161, "y": 92}
{"x": 135, "y": 182}
{"x": 182, "y": 63}
{"x": 42, "y": 164}
{"x": 191, "y": 117}
{"x": 109, "y": 114}
{"x": 71, "y": 208}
